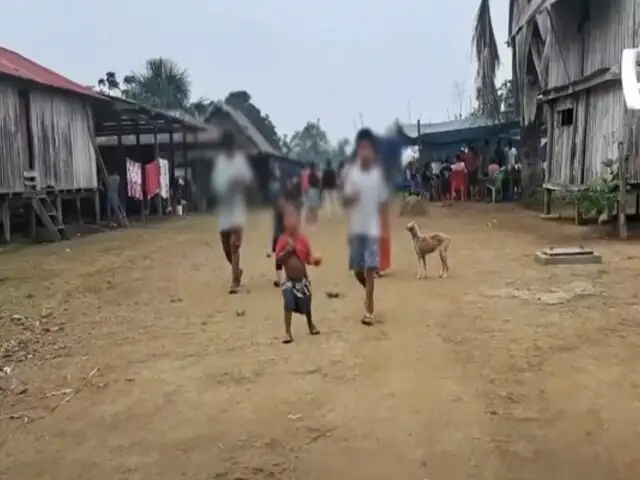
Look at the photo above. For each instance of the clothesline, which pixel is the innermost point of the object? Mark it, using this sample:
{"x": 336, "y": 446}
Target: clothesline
{"x": 156, "y": 179}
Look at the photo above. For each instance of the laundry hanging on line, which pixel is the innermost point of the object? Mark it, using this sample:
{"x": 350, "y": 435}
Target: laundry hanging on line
{"x": 164, "y": 178}
{"x": 152, "y": 181}
{"x": 134, "y": 179}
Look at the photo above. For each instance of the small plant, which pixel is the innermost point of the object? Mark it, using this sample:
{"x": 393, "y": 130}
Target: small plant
{"x": 600, "y": 198}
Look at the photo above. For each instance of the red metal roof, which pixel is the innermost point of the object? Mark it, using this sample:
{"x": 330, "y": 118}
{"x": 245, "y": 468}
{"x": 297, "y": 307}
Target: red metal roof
{"x": 15, "y": 65}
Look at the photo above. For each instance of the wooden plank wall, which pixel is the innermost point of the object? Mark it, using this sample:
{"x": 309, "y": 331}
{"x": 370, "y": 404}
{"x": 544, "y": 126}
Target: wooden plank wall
{"x": 14, "y": 150}
{"x": 576, "y": 51}
{"x": 63, "y": 151}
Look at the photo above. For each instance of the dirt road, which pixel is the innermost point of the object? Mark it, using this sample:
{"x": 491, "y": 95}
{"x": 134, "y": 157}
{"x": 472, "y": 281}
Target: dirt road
{"x": 505, "y": 370}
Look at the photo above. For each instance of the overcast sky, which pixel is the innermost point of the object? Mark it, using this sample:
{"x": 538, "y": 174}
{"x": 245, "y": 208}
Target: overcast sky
{"x": 299, "y": 59}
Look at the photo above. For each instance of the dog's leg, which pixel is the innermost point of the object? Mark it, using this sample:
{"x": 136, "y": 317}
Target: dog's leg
{"x": 419, "y": 275}
{"x": 444, "y": 260}
{"x": 423, "y": 263}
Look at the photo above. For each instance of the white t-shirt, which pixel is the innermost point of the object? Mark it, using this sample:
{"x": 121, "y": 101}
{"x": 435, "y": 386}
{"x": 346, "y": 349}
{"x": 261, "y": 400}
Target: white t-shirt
{"x": 512, "y": 155}
{"x": 371, "y": 189}
{"x": 232, "y": 208}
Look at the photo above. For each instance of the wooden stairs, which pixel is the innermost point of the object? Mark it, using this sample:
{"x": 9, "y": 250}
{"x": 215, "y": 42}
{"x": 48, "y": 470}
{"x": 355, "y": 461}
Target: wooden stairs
{"x": 43, "y": 208}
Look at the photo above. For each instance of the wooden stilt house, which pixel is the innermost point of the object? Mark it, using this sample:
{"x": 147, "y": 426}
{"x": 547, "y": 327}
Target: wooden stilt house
{"x": 567, "y": 55}
{"x": 46, "y": 142}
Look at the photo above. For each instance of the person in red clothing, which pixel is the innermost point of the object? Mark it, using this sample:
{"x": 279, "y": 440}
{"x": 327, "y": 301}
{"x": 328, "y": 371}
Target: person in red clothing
{"x": 294, "y": 253}
{"x": 471, "y": 162}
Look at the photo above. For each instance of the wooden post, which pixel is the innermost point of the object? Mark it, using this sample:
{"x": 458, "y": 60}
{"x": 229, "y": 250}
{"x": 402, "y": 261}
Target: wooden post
{"x": 577, "y": 213}
{"x": 6, "y": 220}
{"x": 122, "y": 172}
{"x": 96, "y": 206}
{"x": 546, "y": 205}
{"x": 622, "y": 194}
{"x": 186, "y": 173}
{"x": 172, "y": 169}
{"x": 156, "y": 156}
{"x": 143, "y": 203}
{"x": 59, "y": 208}
{"x": 79, "y": 208}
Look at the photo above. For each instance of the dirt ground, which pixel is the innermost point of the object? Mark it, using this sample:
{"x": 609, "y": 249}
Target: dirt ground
{"x": 505, "y": 370}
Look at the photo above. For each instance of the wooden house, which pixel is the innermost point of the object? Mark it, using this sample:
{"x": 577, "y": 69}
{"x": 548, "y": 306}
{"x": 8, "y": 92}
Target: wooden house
{"x": 567, "y": 56}
{"x": 46, "y": 130}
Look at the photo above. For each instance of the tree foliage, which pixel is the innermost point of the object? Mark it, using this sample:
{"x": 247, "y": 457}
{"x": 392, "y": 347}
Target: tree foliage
{"x": 487, "y": 59}
{"x": 600, "y": 198}
{"x": 312, "y": 144}
{"x": 162, "y": 84}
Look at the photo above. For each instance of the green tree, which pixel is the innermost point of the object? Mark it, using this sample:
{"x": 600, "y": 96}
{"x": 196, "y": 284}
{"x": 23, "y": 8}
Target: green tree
{"x": 162, "y": 84}
{"x": 109, "y": 84}
{"x": 311, "y": 144}
{"x": 340, "y": 151}
{"x": 487, "y": 59}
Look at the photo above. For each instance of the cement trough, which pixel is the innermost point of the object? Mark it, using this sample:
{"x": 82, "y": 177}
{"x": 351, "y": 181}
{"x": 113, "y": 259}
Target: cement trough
{"x": 567, "y": 256}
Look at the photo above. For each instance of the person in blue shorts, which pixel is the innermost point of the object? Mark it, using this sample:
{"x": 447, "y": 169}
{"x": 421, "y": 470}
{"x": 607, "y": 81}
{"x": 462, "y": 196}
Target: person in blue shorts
{"x": 365, "y": 197}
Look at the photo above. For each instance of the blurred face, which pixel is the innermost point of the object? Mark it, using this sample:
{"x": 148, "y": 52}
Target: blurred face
{"x": 366, "y": 154}
{"x": 291, "y": 220}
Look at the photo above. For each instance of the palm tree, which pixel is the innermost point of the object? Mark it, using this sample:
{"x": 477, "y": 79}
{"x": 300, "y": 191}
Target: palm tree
{"x": 488, "y": 61}
{"x": 109, "y": 83}
{"x": 201, "y": 108}
{"x": 162, "y": 84}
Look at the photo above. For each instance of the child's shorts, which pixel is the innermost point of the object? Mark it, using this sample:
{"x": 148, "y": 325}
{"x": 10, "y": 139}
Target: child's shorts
{"x": 297, "y": 296}
{"x": 364, "y": 253}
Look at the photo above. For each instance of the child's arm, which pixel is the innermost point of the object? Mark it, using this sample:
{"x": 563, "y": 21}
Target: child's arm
{"x": 383, "y": 198}
{"x": 349, "y": 194}
{"x": 284, "y": 248}
{"x": 312, "y": 257}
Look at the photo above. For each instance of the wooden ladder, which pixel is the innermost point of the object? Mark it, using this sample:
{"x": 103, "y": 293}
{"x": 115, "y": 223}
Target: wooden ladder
{"x": 43, "y": 207}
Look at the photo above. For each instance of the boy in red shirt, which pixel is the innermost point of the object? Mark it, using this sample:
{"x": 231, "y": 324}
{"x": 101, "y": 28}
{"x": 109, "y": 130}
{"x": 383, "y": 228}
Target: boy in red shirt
{"x": 294, "y": 253}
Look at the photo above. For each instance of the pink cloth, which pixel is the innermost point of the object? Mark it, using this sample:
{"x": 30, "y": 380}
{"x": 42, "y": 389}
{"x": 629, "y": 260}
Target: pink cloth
{"x": 152, "y": 181}
{"x": 304, "y": 180}
{"x": 493, "y": 170}
{"x": 134, "y": 179}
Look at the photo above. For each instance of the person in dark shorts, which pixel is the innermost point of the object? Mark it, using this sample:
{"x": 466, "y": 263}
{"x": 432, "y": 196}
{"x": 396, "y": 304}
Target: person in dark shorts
{"x": 330, "y": 189}
{"x": 445, "y": 182}
{"x": 294, "y": 253}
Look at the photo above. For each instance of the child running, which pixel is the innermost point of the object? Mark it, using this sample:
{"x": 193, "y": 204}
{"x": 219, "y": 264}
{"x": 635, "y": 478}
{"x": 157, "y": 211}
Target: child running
{"x": 365, "y": 196}
{"x": 231, "y": 178}
{"x": 294, "y": 253}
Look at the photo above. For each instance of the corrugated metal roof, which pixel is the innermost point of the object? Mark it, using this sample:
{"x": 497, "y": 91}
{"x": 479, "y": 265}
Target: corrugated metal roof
{"x": 411, "y": 129}
{"x": 15, "y": 65}
{"x": 261, "y": 143}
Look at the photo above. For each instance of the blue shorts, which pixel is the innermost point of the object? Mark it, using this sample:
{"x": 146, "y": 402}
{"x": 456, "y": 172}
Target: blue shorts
{"x": 364, "y": 253}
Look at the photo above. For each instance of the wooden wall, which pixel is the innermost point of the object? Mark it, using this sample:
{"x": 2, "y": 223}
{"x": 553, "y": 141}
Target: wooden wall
{"x": 575, "y": 51}
{"x": 14, "y": 149}
{"x": 63, "y": 152}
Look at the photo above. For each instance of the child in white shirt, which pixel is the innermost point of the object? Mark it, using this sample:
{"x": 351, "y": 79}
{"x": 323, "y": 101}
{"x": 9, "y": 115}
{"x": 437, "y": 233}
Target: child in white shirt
{"x": 231, "y": 177}
{"x": 365, "y": 196}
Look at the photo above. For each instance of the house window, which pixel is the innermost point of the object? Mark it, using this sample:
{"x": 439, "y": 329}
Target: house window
{"x": 565, "y": 117}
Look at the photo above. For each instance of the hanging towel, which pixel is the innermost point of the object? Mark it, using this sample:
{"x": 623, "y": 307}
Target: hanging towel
{"x": 152, "y": 171}
{"x": 134, "y": 179}
{"x": 164, "y": 177}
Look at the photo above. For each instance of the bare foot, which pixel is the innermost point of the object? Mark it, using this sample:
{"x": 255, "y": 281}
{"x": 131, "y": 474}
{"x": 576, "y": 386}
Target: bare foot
{"x": 367, "y": 320}
{"x": 313, "y": 330}
{"x": 288, "y": 338}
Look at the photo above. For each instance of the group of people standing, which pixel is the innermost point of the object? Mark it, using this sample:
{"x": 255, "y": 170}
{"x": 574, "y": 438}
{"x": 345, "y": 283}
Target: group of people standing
{"x": 360, "y": 187}
{"x": 432, "y": 179}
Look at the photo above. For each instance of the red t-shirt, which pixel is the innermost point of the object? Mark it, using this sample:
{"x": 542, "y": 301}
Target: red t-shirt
{"x": 302, "y": 247}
